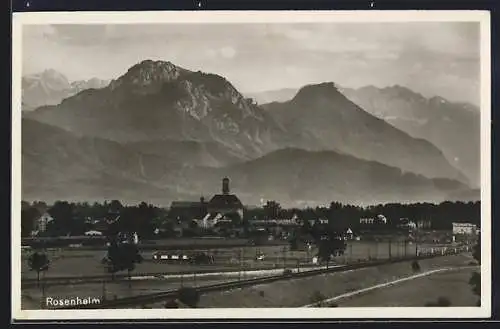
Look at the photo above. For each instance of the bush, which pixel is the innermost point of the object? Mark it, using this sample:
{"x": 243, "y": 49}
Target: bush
{"x": 441, "y": 302}
{"x": 415, "y": 266}
{"x": 475, "y": 282}
{"x": 189, "y": 296}
{"x": 317, "y": 297}
{"x": 171, "y": 304}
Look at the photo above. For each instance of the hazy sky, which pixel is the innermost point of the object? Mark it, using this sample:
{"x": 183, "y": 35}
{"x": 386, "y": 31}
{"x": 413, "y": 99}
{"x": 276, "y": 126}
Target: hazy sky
{"x": 431, "y": 58}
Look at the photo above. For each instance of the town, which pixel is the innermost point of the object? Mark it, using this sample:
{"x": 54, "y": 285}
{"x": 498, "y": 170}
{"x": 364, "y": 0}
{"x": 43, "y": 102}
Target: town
{"x": 193, "y": 243}
{"x": 224, "y": 215}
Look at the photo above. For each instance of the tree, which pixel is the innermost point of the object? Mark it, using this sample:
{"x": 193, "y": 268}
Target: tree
{"x": 115, "y": 207}
{"x": 28, "y": 216}
{"x": 476, "y": 252}
{"x": 272, "y": 209}
{"x": 415, "y": 266}
{"x": 62, "y": 212}
{"x": 123, "y": 256}
{"x": 38, "y": 262}
{"x": 189, "y": 296}
{"x": 330, "y": 246}
{"x": 475, "y": 279}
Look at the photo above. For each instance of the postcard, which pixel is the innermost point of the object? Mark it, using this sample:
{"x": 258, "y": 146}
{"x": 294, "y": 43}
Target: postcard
{"x": 240, "y": 164}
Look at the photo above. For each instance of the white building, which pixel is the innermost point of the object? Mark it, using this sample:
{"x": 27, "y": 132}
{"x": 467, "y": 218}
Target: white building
{"x": 464, "y": 228}
{"x": 380, "y": 219}
{"x": 93, "y": 233}
{"x": 42, "y": 222}
{"x": 366, "y": 220}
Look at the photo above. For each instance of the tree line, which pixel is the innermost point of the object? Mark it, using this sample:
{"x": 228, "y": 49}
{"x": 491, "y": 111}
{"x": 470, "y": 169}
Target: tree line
{"x": 143, "y": 218}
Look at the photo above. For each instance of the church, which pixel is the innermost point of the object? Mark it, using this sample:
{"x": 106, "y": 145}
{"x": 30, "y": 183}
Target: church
{"x": 225, "y": 204}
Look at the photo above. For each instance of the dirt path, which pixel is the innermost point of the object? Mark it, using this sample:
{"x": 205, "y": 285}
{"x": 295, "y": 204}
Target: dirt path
{"x": 386, "y": 285}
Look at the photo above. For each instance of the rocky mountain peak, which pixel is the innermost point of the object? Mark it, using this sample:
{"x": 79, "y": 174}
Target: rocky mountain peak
{"x": 49, "y": 79}
{"x": 322, "y": 90}
{"x": 398, "y": 91}
{"x": 149, "y": 74}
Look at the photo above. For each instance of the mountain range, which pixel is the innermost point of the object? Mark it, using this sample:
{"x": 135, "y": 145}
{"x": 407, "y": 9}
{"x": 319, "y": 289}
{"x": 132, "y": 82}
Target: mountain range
{"x": 160, "y": 133}
{"x": 452, "y": 127}
{"x": 51, "y": 87}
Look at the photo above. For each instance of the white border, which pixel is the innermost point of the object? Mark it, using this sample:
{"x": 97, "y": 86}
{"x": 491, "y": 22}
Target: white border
{"x": 483, "y": 17}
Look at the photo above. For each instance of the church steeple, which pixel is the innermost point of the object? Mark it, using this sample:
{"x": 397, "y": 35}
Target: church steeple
{"x": 225, "y": 185}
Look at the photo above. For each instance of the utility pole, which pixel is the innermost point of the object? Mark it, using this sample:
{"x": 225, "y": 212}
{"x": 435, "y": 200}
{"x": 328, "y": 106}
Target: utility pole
{"x": 239, "y": 272}
{"x": 104, "y": 288}
{"x": 43, "y": 290}
{"x": 284, "y": 257}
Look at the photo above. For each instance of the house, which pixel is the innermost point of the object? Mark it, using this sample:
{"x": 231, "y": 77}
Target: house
{"x": 93, "y": 233}
{"x": 348, "y": 235}
{"x": 188, "y": 209}
{"x": 285, "y": 222}
{"x": 464, "y": 229}
{"x": 322, "y": 221}
{"x": 42, "y": 222}
{"x": 379, "y": 219}
{"x": 406, "y": 224}
{"x": 424, "y": 224}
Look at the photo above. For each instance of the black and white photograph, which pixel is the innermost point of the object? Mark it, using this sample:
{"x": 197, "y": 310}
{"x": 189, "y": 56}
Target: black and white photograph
{"x": 251, "y": 164}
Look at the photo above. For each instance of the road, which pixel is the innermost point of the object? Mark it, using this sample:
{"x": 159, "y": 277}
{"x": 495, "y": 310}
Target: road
{"x": 372, "y": 300}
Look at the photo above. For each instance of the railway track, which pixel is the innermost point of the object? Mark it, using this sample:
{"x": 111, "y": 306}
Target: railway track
{"x": 54, "y": 281}
{"x": 160, "y": 297}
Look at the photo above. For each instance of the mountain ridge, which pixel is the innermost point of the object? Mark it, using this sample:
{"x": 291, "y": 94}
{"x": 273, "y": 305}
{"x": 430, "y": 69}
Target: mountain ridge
{"x": 159, "y": 127}
{"x": 91, "y": 169}
{"x": 338, "y": 124}
{"x": 51, "y": 87}
{"x": 452, "y": 127}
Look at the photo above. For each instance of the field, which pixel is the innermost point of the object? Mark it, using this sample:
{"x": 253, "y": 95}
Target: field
{"x": 453, "y": 286}
{"x": 84, "y": 263}
{"x": 79, "y": 263}
{"x": 31, "y": 298}
{"x": 303, "y": 291}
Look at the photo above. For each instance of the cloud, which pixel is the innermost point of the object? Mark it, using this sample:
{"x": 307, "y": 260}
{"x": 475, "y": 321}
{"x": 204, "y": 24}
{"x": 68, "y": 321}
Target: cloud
{"x": 418, "y": 55}
{"x": 228, "y": 52}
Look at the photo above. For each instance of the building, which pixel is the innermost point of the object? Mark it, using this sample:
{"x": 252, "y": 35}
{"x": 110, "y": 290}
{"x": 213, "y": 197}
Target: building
{"x": 221, "y": 209}
{"x": 211, "y": 220}
{"x": 424, "y": 224}
{"x": 464, "y": 229}
{"x": 93, "y": 233}
{"x": 42, "y": 222}
{"x": 188, "y": 209}
{"x": 406, "y": 224}
{"x": 348, "y": 235}
{"x": 380, "y": 219}
{"x": 225, "y": 203}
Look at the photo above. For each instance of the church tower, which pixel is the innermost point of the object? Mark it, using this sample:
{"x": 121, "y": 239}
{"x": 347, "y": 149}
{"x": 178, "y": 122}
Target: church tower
{"x": 225, "y": 186}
